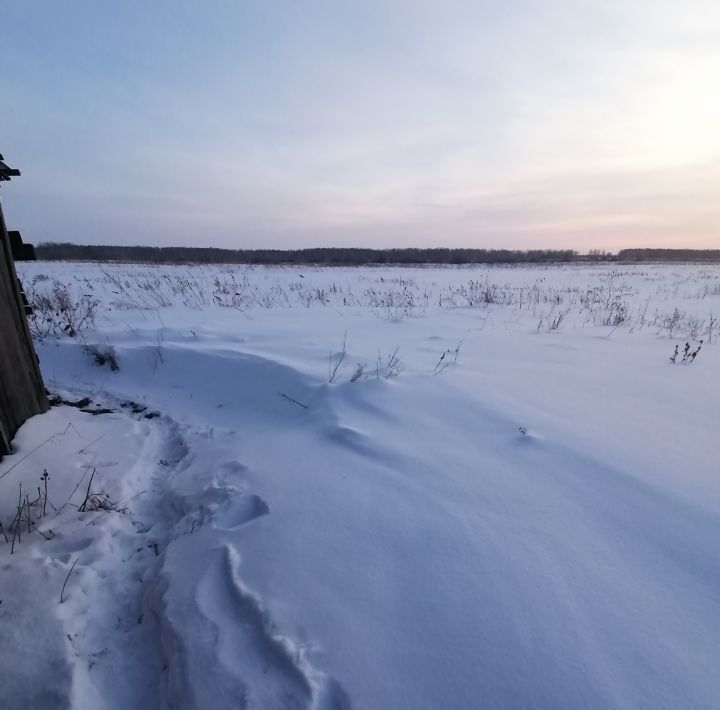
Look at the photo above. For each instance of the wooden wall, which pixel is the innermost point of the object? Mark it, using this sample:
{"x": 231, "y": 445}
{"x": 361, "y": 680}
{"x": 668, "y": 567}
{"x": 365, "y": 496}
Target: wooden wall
{"x": 22, "y": 394}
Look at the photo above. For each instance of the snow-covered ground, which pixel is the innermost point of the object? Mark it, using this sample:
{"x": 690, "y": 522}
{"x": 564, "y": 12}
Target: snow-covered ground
{"x": 502, "y": 495}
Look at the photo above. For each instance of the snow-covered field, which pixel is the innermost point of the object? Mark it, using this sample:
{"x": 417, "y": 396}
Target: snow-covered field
{"x": 370, "y": 488}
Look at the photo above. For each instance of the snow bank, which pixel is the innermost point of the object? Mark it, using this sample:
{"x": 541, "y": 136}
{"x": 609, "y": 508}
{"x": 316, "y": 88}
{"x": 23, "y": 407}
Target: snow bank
{"x": 526, "y": 522}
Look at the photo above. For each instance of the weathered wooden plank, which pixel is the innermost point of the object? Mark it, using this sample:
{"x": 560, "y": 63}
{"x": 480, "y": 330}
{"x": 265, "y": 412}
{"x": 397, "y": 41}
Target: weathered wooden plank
{"x": 22, "y": 394}
{"x": 20, "y": 251}
{"x": 6, "y": 172}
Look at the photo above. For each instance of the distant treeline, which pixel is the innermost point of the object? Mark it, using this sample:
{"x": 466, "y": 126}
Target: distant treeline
{"x": 669, "y": 255}
{"x": 354, "y": 257}
{"x": 327, "y": 256}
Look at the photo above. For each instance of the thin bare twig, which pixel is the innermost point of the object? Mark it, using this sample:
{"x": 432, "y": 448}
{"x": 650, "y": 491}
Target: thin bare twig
{"x": 14, "y": 528}
{"x": 77, "y": 485}
{"x": 87, "y": 493}
{"x": 85, "y": 448}
{"x": 30, "y": 453}
{"x": 62, "y": 591}
{"x": 333, "y": 370}
{"x": 294, "y": 401}
{"x": 48, "y": 536}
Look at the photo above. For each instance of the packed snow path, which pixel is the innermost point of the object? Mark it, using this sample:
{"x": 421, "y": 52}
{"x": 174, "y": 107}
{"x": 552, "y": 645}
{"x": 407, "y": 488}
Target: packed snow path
{"x": 534, "y": 527}
{"x": 120, "y": 639}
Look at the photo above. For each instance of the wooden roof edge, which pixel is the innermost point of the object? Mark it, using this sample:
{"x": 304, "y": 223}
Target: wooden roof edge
{"x": 6, "y": 172}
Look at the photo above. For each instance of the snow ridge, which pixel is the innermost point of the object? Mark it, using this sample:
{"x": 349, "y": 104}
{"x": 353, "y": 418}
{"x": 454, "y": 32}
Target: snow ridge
{"x": 221, "y": 647}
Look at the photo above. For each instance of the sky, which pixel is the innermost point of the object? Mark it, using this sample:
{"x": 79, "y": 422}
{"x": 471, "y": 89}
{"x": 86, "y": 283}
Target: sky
{"x": 583, "y": 124}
